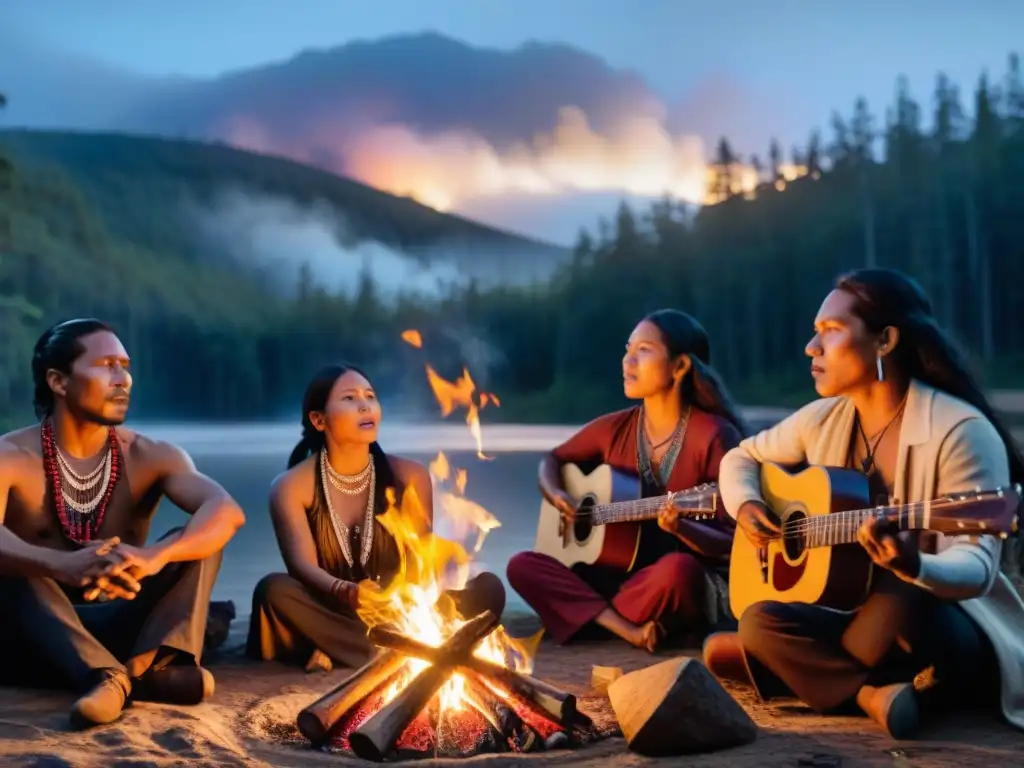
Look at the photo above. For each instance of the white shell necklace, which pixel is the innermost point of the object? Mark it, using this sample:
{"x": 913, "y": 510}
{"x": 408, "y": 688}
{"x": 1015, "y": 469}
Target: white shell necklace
{"x": 363, "y": 479}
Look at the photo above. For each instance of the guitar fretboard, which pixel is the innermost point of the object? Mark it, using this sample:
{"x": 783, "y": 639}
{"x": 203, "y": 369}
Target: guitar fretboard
{"x": 705, "y": 500}
{"x": 841, "y": 527}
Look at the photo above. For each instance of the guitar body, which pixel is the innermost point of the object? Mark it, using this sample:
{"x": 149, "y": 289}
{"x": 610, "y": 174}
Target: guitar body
{"x": 836, "y": 577}
{"x": 614, "y": 545}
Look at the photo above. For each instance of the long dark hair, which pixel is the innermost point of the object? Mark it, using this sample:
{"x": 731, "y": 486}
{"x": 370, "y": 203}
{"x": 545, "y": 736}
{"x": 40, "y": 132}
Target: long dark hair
{"x": 702, "y": 386}
{"x": 58, "y": 349}
{"x": 885, "y": 297}
{"x": 312, "y": 441}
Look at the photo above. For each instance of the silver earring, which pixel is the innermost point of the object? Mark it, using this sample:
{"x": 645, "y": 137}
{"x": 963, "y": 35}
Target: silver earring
{"x": 878, "y": 365}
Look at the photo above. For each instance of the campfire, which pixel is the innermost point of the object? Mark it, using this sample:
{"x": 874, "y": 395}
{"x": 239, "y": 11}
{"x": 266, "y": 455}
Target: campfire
{"x": 388, "y": 709}
{"x": 442, "y": 683}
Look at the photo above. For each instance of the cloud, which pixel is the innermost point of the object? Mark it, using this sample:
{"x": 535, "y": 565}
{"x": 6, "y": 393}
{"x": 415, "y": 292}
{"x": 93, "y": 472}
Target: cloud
{"x": 277, "y": 237}
{"x": 457, "y": 170}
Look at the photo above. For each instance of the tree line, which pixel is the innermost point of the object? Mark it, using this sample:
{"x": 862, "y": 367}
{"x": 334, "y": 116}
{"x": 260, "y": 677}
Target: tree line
{"x": 935, "y": 190}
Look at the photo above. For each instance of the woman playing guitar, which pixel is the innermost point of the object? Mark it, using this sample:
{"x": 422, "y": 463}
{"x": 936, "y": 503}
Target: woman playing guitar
{"x": 674, "y": 441}
{"x": 900, "y": 407}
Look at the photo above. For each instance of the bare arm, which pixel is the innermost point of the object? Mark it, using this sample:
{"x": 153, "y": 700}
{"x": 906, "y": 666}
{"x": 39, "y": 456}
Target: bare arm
{"x": 295, "y": 540}
{"x": 712, "y": 540}
{"x": 18, "y": 557}
{"x": 972, "y": 456}
{"x": 216, "y": 517}
{"x": 416, "y": 479}
{"x": 589, "y": 444}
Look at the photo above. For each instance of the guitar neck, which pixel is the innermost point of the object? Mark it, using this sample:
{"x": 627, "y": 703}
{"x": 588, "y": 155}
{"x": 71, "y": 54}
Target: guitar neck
{"x": 647, "y": 509}
{"x": 841, "y": 527}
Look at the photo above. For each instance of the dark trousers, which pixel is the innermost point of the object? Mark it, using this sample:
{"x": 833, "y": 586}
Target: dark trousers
{"x": 50, "y": 640}
{"x": 823, "y": 657}
{"x": 289, "y": 622}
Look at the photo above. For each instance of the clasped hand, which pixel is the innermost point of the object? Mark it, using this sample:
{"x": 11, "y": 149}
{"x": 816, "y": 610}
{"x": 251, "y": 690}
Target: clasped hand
{"x": 109, "y": 569}
{"x": 900, "y": 556}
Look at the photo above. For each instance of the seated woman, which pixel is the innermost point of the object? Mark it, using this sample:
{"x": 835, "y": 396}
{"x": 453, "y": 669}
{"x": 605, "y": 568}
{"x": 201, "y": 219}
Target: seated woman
{"x": 674, "y": 439}
{"x": 324, "y": 510}
{"x": 940, "y": 626}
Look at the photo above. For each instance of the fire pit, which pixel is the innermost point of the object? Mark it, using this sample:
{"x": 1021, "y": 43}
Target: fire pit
{"x": 385, "y": 710}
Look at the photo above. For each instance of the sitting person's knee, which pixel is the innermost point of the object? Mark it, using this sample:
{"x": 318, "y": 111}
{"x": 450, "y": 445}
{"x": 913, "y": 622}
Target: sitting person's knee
{"x": 521, "y": 569}
{"x": 680, "y": 568}
{"x": 760, "y": 619}
{"x": 273, "y": 588}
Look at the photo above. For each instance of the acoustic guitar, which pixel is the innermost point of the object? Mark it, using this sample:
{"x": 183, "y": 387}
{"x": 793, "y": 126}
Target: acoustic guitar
{"x": 818, "y": 560}
{"x": 606, "y": 529}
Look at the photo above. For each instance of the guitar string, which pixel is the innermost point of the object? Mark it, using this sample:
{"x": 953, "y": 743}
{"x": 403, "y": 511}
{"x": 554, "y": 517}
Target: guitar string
{"x": 655, "y": 503}
{"x": 848, "y": 516}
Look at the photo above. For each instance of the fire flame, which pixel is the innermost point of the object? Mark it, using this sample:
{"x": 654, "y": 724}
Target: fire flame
{"x": 415, "y": 602}
{"x": 638, "y": 156}
{"x": 451, "y": 395}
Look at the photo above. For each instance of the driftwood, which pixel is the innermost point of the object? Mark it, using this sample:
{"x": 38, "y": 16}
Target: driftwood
{"x": 676, "y": 708}
{"x": 316, "y": 721}
{"x": 543, "y": 698}
{"x": 376, "y": 737}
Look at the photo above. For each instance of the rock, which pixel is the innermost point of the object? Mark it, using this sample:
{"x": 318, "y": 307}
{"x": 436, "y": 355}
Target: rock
{"x": 557, "y": 740}
{"x": 678, "y": 707}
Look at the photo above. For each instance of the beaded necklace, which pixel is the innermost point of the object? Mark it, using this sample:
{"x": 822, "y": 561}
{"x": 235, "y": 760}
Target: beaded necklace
{"x": 80, "y": 519}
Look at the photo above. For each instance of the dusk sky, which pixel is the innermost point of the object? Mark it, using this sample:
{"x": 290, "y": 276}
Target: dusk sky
{"x": 797, "y": 59}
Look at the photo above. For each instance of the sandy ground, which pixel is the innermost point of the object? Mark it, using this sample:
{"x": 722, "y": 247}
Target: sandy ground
{"x": 255, "y": 706}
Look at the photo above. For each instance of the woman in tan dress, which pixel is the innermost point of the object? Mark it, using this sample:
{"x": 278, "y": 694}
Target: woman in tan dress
{"x": 325, "y": 512}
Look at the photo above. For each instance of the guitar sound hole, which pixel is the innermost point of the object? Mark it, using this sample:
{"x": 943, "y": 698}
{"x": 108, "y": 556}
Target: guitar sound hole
{"x": 794, "y": 540}
{"x": 584, "y": 523}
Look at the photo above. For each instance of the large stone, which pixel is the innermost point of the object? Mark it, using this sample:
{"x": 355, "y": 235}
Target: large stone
{"x": 677, "y": 707}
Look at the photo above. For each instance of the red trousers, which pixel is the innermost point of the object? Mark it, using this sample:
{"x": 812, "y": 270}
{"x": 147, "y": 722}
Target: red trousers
{"x": 672, "y": 591}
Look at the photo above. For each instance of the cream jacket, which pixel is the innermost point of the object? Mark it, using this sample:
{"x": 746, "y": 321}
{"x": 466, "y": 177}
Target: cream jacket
{"x": 946, "y": 446}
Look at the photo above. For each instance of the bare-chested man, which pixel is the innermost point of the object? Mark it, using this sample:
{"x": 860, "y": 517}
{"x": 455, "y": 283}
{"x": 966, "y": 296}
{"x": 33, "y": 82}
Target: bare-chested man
{"x": 86, "y": 602}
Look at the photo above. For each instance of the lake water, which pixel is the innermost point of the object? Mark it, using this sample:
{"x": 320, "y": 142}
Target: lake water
{"x": 245, "y": 458}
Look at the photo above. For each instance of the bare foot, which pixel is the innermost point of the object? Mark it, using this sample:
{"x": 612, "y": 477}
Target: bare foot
{"x": 647, "y": 636}
{"x": 319, "y": 662}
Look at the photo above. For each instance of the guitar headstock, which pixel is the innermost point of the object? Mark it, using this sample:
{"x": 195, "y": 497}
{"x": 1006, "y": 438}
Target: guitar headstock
{"x": 701, "y": 502}
{"x": 976, "y": 512}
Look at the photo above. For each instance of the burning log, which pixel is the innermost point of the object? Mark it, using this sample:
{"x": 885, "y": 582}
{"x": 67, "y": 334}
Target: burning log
{"x": 545, "y": 699}
{"x": 316, "y": 721}
{"x": 376, "y": 737}
{"x": 504, "y": 719}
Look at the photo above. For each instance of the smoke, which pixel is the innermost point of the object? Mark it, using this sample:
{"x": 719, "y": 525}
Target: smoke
{"x": 457, "y": 170}
{"x": 277, "y": 237}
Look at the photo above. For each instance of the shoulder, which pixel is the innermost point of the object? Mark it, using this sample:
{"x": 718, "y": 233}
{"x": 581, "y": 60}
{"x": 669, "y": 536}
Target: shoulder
{"x": 409, "y": 472}
{"x": 812, "y": 417}
{"x": 295, "y": 484}
{"x": 18, "y": 450}
{"x": 160, "y": 455}
{"x": 958, "y": 424}
{"x": 949, "y": 412}
{"x": 712, "y": 426}
{"x": 612, "y": 422}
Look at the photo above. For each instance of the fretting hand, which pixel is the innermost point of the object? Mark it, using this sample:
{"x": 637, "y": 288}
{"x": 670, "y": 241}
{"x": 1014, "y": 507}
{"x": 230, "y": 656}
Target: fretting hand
{"x": 900, "y": 556}
{"x": 668, "y": 517}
